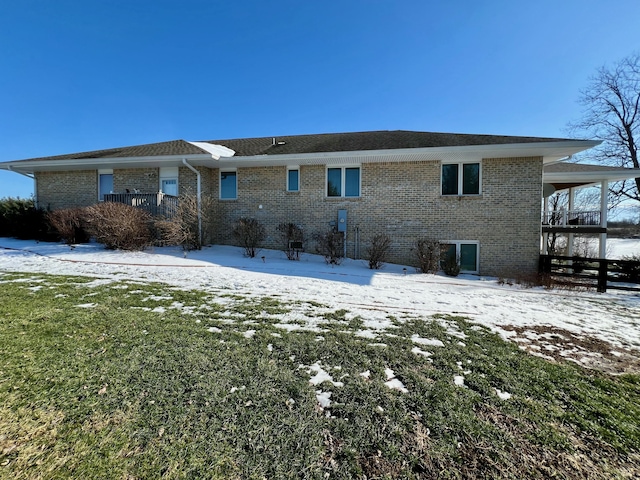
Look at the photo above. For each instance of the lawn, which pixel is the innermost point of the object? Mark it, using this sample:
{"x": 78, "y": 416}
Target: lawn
{"x": 104, "y": 379}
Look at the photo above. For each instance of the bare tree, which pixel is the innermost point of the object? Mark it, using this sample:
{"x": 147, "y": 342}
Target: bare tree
{"x": 612, "y": 113}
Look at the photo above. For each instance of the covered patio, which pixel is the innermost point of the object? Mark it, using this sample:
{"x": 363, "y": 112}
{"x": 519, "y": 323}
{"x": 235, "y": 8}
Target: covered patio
{"x": 567, "y": 219}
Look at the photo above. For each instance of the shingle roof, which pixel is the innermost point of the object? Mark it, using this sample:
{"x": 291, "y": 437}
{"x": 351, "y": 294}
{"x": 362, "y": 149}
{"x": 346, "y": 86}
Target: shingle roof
{"x": 174, "y": 147}
{"x": 360, "y": 141}
{"x": 298, "y": 144}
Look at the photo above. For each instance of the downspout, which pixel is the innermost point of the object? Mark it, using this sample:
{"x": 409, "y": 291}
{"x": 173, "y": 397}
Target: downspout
{"x": 199, "y": 193}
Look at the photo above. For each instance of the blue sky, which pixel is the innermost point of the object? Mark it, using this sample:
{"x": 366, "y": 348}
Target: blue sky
{"x": 83, "y": 75}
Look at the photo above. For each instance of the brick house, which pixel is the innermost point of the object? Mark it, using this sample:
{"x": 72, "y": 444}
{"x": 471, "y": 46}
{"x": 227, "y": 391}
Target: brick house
{"x": 480, "y": 194}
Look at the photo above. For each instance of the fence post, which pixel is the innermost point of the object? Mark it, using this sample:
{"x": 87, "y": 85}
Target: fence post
{"x": 544, "y": 265}
{"x": 602, "y": 275}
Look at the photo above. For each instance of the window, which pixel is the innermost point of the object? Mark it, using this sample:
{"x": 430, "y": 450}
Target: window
{"x": 169, "y": 186}
{"x": 228, "y": 185}
{"x": 461, "y": 179}
{"x": 343, "y": 182}
{"x": 105, "y": 183}
{"x": 465, "y": 251}
{"x": 293, "y": 179}
{"x": 169, "y": 180}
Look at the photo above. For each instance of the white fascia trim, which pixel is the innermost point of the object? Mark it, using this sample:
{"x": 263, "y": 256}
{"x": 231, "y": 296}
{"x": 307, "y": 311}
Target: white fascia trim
{"x": 28, "y": 166}
{"x": 568, "y": 177}
{"x": 550, "y": 151}
{"x": 216, "y": 151}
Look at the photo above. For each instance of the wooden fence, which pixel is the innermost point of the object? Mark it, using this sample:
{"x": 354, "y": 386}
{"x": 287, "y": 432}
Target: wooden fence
{"x": 602, "y": 273}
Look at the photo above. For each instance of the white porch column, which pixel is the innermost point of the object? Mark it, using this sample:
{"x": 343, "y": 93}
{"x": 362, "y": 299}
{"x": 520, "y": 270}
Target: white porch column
{"x": 572, "y": 199}
{"x": 604, "y": 203}
{"x": 545, "y": 236}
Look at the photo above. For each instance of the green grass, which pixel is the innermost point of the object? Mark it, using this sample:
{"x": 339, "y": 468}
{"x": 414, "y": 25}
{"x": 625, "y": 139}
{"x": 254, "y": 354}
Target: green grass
{"x": 136, "y": 386}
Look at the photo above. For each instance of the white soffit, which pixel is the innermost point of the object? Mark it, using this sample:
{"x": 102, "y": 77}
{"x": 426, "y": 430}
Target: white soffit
{"x": 591, "y": 177}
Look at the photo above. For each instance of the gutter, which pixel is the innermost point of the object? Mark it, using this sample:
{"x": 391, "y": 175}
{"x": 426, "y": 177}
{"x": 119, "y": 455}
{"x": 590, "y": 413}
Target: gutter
{"x": 199, "y": 194}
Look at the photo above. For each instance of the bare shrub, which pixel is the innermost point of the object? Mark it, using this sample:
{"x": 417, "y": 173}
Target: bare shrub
{"x": 249, "y": 233}
{"x": 428, "y": 255}
{"x": 292, "y": 236}
{"x": 184, "y": 227}
{"x": 378, "y": 250}
{"x": 69, "y": 223}
{"x": 526, "y": 280}
{"x": 119, "y": 226}
{"x": 330, "y": 245}
{"x": 170, "y": 232}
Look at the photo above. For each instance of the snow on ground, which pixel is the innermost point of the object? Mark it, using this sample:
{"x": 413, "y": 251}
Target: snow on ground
{"x": 583, "y": 326}
{"x": 622, "y": 247}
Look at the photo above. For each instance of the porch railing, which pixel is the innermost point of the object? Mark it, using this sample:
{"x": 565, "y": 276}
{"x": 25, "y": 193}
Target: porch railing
{"x": 157, "y": 204}
{"x": 562, "y": 218}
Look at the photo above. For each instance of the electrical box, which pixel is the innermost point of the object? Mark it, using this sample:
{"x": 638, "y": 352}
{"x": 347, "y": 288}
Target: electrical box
{"x": 342, "y": 220}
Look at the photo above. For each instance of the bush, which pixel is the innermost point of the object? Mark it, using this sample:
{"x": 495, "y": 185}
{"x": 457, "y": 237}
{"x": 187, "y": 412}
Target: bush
{"x": 631, "y": 271}
{"x": 378, "y": 251}
{"x": 451, "y": 265}
{"x": 119, "y": 226}
{"x": 69, "y": 224}
{"x": 292, "y": 237}
{"x": 330, "y": 245}
{"x": 249, "y": 233}
{"x": 21, "y": 219}
{"x": 428, "y": 254}
{"x": 183, "y": 228}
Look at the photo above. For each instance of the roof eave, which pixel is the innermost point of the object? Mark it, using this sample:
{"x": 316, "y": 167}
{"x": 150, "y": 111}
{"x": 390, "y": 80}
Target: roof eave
{"x": 549, "y": 151}
{"x": 591, "y": 177}
{"x": 31, "y": 166}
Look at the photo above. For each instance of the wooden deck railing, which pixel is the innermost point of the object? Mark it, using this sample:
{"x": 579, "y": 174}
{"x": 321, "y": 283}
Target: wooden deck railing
{"x": 157, "y": 204}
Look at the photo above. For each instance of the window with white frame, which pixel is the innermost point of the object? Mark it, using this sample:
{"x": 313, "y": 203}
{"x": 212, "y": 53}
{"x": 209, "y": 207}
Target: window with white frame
{"x": 293, "y": 179}
{"x": 465, "y": 252}
{"x": 228, "y": 185}
{"x": 169, "y": 180}
{"x": 461, "y": 178}
{"x": 105, "y": 182}
{"x": 343, "y": 182}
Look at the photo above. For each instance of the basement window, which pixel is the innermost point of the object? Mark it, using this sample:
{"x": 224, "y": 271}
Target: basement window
{"x": 465, "y": 252}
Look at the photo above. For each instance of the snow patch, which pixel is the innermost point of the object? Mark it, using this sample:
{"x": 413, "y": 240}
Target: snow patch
{"x": 323, "y": 398}
{"x": 502, "y": 395}
{"x": 320, "y": 376}
{"x": 432, "y": 342}
{"x": 394, "y": 383}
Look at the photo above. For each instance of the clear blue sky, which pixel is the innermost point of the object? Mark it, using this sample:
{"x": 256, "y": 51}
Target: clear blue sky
{"x": 81, "y": 75}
